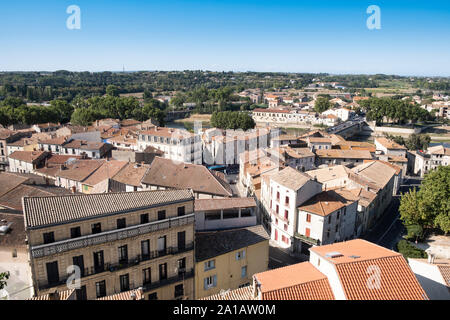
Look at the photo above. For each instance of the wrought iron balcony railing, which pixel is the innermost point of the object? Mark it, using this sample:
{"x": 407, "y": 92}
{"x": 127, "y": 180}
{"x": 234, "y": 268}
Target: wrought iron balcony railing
{"x": 108, "y": 236}
{"x": 112, "y": 267}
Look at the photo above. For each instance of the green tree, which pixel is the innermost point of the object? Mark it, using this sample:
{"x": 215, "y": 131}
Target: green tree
{"x": 322, "y": 104}
{"x": 430, "y": 206}
{"x": 112, "y": 91}
{"x": 83, "y": 117}
{"x": 3, "y": 277}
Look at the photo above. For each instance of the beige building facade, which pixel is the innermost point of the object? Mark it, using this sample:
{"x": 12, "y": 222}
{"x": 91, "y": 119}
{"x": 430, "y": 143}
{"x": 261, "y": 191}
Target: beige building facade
{"x": 143, "y": 240}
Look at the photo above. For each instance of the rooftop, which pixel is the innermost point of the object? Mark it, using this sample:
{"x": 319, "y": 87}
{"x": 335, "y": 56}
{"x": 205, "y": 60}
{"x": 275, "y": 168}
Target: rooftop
{"x": 46, "y": 211}
{"x": 301, "y": 281}
{"x": 291, "y": 178}
{"x": 327, "y": 202}
{"x": 353, "y": 259}
{"x": 132, "y": 174}
{"x": 27, "y": 156}
{"x": 178, "y": 175}
{"x": 213, "y": 244}
{"x": 389, "y": 144}
{"x": 226, "y": 203}
{"x": 245, "y": 293}
{"x": 344, "y": 154}
{"x": 107, "y": 170}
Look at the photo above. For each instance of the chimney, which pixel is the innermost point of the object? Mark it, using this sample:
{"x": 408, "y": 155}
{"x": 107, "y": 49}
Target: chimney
{"x": 431, "y": 257}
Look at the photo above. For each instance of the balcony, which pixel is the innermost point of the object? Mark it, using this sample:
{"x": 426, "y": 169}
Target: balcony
{"x": 109, "y": 236}
{"x": 113, "y": 267}
{"x": 164, "y": 282}
{"x": 307, "y": 239}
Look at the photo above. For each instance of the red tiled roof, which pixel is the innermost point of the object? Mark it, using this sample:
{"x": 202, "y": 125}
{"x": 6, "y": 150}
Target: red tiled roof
{"x": 301, "y": 281}
{"x": 370, "y": 272}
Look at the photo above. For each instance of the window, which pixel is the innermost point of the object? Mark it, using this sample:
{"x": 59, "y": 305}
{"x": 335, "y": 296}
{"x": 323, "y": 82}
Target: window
{"x": 210, "y": 282}
{"x": 329, "y": 219}
{"x": 75, "y": 232}
{"x": 181, "y": 211}
{"x": 163, "y": 271}
{"x": 286, "y": 214}
{"x": 162, "y": 215}
{"x": 49, "y": 237}
{"x": 278, "y": 196}
{"x": 181, "y": 266}
{"x": 277, "y": 209}
{"x": 144, "y": 218}
{"x": 211, "y": 264}
{"x": 162, "y": 245}
{"x": 96, "y": 228}
{"x": 287, "y": 201}
{"x": 123, "y": 254}
{"x": 285, "y": 239}
{"x": 100, "y": 288}
{"x": 99, "y": 263}
{"x": 244, "y": 272}
{"x": 52, "y": 272}
{"x": 147, "y": 276}
{"x": 337, "y": 227}
{"x": 79, "y": 262}
{"x": 308, "y": 217}
{"x": 338, "y": 214}
{"x": 121, "y": 223}
{"x": 285, "y": 227}
{"x": 179, "y": 291}
{"x": 307, "y": 232}
{"x": 181, "y": 240}
{"x": 153, "y": 296}
{"x": 145, "y": 249}
{"x": 81, "y": 293}
{"x": 240, "y": 255}
{"x": 124, "y": 282}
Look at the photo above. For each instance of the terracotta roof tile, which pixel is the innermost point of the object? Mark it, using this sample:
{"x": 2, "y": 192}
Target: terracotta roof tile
{"x": 359, "y": 259}
{"x": 245, "y": 293}
{"x": 301, "y": 281}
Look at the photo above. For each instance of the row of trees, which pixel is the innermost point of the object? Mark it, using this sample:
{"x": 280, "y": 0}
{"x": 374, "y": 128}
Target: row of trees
{"x": 14, "y": 110}
{"x": 390, "y": 110}
{"x": 413, "y": 142}
{"x": 232, "y": 120}
{"x": 80, "y": 111}
{"x": 430, "y": 206}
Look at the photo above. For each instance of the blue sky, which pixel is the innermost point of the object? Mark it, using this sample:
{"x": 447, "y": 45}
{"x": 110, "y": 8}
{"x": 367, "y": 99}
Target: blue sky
{"x": 245, "y": 35}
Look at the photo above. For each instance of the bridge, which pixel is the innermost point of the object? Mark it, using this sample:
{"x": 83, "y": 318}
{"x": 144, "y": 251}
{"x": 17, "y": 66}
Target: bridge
{"x": 348, "y": 128}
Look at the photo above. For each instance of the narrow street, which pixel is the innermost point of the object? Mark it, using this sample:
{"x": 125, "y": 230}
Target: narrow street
{"x": 389, "y": 229}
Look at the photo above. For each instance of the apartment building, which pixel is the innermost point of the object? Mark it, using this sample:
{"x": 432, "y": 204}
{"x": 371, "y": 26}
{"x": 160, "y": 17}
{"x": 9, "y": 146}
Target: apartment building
{"x": 225, "y": 146}
{"x": 205, "y": 184}
{"x": 26, "y": 161}
{"x": 328, "y": 217}
{"x": 389, "y": 147}
{"x": 7, "y": 137}
{"x": 337, "y": 156}
{"x": 178, "y": 145}
{"x": 289, "y": 189}
{"x": 227, "y": 260}
{"x": 301, "y": 159}
{"x": 424, "y": 162}
{"x": 118, "y": 241}
{"x": 351, "y": 270}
